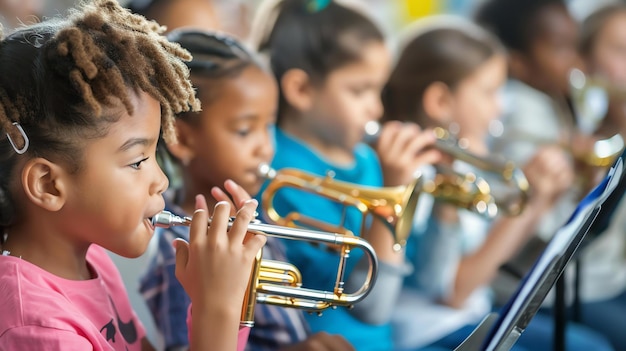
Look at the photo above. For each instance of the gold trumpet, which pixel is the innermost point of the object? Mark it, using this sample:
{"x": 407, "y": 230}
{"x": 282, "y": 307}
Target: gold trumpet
{"x": 603, "y": 153}
{"x": 507, "y": 202}
{"x": 394, "y": 206}
{"x": 280, "y": 283}
{"x": 469, "y": 191}
{"x": 591, "y": 96}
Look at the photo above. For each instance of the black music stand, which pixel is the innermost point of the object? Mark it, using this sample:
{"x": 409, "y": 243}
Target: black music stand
{"x": 500, "y": 331}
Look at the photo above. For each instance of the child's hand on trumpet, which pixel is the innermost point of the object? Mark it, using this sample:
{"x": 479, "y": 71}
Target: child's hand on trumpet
{"x": 550, "y": 174}
{"x": 403, "y": 148}
{"x": 214, "y": 266}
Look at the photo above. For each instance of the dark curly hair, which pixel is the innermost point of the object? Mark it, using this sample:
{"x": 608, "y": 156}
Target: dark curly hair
{"x": 60, "y": 81}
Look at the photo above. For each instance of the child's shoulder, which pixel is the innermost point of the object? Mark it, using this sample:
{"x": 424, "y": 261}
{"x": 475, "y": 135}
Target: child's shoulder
{"x": 39, "y": 305}
{"x": 33, "y": 298}
{"x": 30, "y": 295}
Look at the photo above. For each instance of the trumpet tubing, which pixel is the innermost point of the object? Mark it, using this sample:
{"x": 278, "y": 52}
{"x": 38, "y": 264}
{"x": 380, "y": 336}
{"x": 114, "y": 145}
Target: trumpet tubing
{"x": 467, "y": 190}
{"x": 280, "y": 283}
{"x": 581, "y": 83}
{"x": 512, "y": 203}
{"x": 394, "y": 206}
{"x": 603, "y": 154}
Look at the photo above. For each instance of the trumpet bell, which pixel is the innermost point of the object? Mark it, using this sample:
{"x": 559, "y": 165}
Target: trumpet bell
{"x": 605, "y": 151}
{"x": 394, "y": 206}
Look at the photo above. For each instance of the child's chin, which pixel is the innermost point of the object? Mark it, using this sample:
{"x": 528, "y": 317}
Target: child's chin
{"x": 254, "y": 188}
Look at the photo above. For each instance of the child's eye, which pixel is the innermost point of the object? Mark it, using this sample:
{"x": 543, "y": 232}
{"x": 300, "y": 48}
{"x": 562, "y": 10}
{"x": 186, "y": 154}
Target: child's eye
{"x": 357, "y": 91}
{"x": 243, "y": 132}
{"x": 137, "y": 165}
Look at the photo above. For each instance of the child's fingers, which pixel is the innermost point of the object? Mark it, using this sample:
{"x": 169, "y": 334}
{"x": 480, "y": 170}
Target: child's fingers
{"x": 219, "y": 224}
{"x": 243, "y": 218}
{"x": 182, "y": 257}
{"x": 390, "y": 129}
{"x": 199, "y": 221}
{"x": 255, "y": 243}
{"x": 403, "y": 139}
{"x": 239, "y": 194}
{"x": 220, "y": 196}
{"x": 422, "y": 141}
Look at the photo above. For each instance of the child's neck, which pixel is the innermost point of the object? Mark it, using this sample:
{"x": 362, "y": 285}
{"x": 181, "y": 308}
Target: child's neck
{"x": 333, "y": 152}
{"x": 47, "y": 250}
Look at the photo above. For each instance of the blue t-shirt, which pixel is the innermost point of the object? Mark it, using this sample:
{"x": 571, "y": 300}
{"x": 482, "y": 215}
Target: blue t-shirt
{"x": 318, "y": 264}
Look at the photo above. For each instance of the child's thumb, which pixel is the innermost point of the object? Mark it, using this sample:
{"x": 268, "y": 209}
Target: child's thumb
{"x": 182, "y": 256}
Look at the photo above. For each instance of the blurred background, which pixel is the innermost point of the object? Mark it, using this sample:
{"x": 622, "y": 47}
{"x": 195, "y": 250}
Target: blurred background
{"x": 235, "y": 16}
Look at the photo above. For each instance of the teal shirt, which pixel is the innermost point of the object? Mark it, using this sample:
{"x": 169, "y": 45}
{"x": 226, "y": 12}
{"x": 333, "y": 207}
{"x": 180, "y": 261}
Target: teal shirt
{"x": 317, "y": 264}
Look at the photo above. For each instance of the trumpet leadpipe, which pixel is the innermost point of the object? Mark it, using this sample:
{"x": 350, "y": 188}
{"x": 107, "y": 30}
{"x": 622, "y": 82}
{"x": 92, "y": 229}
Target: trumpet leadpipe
{"x": 276, "y": 283}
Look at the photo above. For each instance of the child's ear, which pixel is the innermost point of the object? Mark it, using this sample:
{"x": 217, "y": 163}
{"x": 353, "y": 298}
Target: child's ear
{"x": 438, "y": 103}
{"x": 183, "y": 148}
{"x": 45, "y": 183}
{"x": 297, "y": 89}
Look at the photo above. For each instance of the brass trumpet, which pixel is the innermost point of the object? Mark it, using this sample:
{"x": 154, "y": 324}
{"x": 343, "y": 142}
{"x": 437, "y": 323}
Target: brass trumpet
{"x": 280, "y": 283}
{"x": 394, "y": 206}
{"x": 591, "y": 96}
{"x": 469, "y": 191}
{"x": 603, "y": 154}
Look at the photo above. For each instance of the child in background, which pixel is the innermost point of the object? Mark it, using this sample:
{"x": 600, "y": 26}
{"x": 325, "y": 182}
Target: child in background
{"x": 541, "y": 39}
{"x": 540, "y": 61}
{"x": 83, "y": 101}
{"x": 603, "y": 45}
{"x": 239, "y": 99}
{"x": 331, "y": 63}
{"x": 174, "y": 14}
{"x": 449, "y": 74}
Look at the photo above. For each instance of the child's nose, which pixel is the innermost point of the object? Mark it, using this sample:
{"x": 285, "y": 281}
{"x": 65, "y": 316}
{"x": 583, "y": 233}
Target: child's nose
{"x": 160, "y": 183}
{"x": 376, "y": 108}
{"x": 266, "y": 149}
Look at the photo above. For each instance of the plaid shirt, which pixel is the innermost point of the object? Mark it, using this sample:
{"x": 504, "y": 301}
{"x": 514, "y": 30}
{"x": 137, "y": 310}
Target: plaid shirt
{"x": 274, "y": 326}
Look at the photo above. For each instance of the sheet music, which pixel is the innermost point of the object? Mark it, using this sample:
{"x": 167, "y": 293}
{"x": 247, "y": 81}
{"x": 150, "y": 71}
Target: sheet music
{"x": 516, "y": 315}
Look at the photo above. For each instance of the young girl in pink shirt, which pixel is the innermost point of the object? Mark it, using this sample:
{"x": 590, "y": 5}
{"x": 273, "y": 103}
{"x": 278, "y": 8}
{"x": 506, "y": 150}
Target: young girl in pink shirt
{"x": 83, "y": 101}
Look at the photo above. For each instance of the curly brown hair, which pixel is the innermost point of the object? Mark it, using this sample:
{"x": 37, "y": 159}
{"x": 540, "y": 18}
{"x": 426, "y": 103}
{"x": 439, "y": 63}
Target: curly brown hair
{"x": 61, "y": 81}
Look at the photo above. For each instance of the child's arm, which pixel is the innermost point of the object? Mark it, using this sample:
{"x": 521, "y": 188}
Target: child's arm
{"x": 550, "y": 175}
{"x": 402, "y": 148}
{"x": 214, "y": 268}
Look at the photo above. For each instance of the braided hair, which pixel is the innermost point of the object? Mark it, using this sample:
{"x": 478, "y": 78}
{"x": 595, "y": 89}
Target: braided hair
{"x": 217, "y": 57}
{"x": 60, "y": 81}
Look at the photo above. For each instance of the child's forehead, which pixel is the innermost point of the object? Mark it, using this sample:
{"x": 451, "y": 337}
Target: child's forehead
{"x": 553, "y": 18}
{"x": 251, "y": 87}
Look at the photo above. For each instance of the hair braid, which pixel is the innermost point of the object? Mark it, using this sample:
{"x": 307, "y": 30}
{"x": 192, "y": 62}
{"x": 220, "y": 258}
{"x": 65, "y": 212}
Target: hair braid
{"x": 134, "y": 54}
{"x": 61, "y": 79}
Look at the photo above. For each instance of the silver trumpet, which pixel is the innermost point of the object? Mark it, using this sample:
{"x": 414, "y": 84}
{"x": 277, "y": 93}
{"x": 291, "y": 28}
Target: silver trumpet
{"x": 280, "y": 283}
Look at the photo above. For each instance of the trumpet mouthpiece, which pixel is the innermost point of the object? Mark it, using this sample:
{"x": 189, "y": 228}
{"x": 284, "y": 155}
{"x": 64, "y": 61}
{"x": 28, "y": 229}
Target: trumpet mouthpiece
{"x": 372, "y": 132}
{"x": 266, "y": 171}
{"x": 166, "y": 219}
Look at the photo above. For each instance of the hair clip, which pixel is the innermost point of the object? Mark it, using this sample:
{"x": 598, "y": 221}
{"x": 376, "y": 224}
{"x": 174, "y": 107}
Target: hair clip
{"x": 26, "y": 141}
{"x": 314, "y": 6}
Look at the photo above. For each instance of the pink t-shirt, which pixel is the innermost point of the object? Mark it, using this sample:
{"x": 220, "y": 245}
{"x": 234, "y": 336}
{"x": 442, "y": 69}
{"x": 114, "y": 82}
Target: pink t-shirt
{"x": 40, "y": 311}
